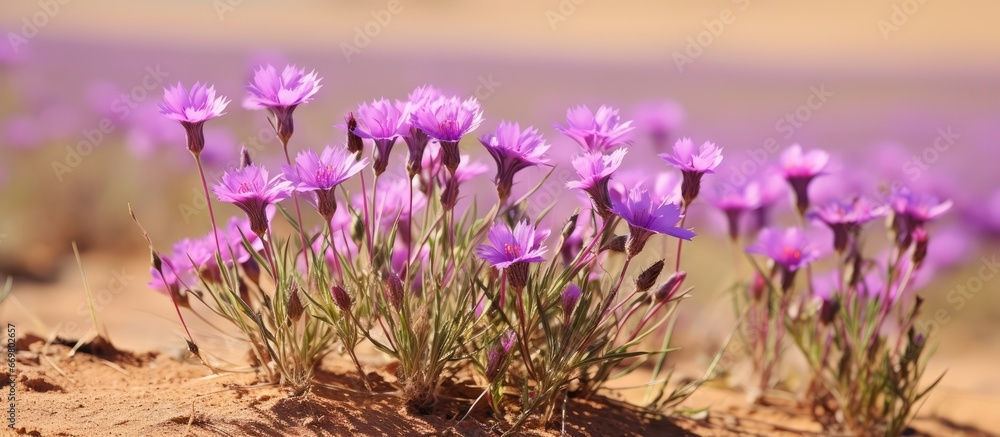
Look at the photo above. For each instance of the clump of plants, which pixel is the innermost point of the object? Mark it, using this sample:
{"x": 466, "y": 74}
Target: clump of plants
{"x": 542, "y": 307}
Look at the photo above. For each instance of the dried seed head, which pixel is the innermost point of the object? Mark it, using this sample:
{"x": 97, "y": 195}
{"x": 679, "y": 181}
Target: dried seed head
{"x": 648, "y": 277}
{"x": 341, "y": 298}
{"x": 570, "y": 226}
{"x": 156, "y": 261}
{"x": 669, "y": 288}
{"x": 295, "y": 308}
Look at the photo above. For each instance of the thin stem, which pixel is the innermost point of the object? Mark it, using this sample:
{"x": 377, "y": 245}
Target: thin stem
{"x": 680, "y": 241}
{"x": 306, "y": 249}
{"x": 208, "y": 201}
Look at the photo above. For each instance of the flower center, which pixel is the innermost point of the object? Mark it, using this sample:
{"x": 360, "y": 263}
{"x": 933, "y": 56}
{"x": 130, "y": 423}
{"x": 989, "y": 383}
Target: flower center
{"x": 512, "y": 251}
{"x": 792, "y": 254}
{"x": 246, "y": 187}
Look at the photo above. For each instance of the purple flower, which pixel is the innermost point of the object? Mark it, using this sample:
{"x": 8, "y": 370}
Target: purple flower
{"x": 448, "y": 120}
{"x": 416, "y": 139}
{"x": 596, "y": 132}
{"x": 250, "y": 189}
{"x": 693, "y": 163}
{"x": 911, "y": 210}
{"x": 595, "y": 170}
{"x": 192, "y": 108}
{"x": 383, "y": 123}
{"x": 687, "y": 158}
{"x": 321, "y": 174}
{"x": 844, "y": 217}
{"x": 918, "y": 208}
{"x": 659, "y": 120}
{"x": 512, "y": 250}
{"x": 799, "y": 169}
{"x": 281, "y": 94}
{"x": 197, "y": 256}
{"x": 497, "y": 354}
{"x": 646, "y": 217}
{"x": 789, "y": 248}
{"x": 513, "y": 150}
{"x": 734, "y": 202}
{"x": 172, "y": 281}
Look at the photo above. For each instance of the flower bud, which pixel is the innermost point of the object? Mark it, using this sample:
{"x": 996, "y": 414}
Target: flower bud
{"x": 393, "y": 289}
{"x": 341, "y": 298}
{"x": 617, "y": 244}
{"x": 570, "y": 226}
{"x": 497, "y": 354}
{"x": 245, "y": 159}
{"x": 295, "y": 308}
{"x": 570, "y": 297}
{"x": 669, "y": 288}
{"x": 648, "y": 277}
{"x": 828, "y": 309}
{"x": 354, "y": 143}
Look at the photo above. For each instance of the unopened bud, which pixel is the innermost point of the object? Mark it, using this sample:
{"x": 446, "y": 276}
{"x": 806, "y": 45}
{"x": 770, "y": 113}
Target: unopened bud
{"x": 354, "y": 143}
{"x": 393, "y": 289}
{"x": 570, "y": 297}
{"x": 341, "y": 298}
{"x": 295, "y": 308}
{"x": 648, "y": 277}
{"x": 617, "y": 244}
{"x": 669, "y": 288}
{"x": 570, "y": 226}
{"x": 245, "y": 160}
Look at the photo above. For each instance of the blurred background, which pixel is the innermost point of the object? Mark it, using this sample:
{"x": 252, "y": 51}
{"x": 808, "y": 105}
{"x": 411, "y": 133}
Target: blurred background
{"x": 901, "y": 92}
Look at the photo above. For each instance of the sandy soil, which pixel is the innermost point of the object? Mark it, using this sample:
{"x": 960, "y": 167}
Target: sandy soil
{"x": 154, "y": 394}
{"x": 158, "y": 391}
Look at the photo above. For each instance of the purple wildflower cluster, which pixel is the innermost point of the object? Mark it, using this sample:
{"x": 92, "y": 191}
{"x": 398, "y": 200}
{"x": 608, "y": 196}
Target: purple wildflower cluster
{"x": 386, "y": 252}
